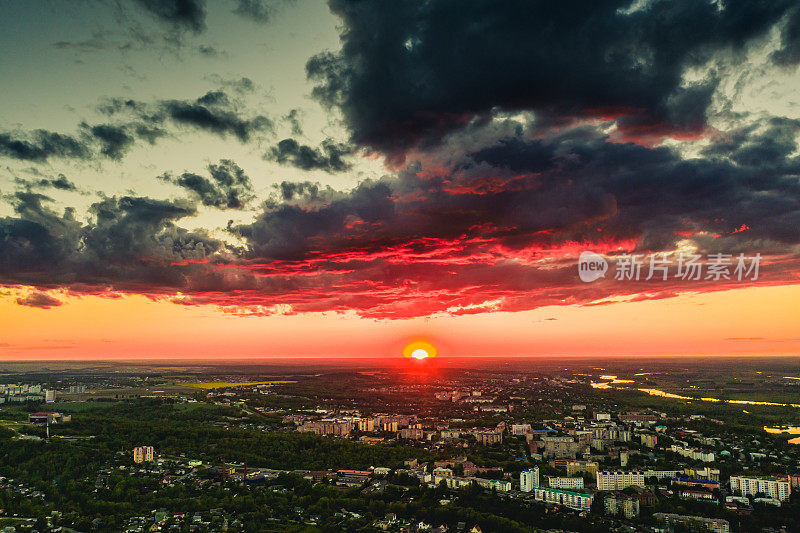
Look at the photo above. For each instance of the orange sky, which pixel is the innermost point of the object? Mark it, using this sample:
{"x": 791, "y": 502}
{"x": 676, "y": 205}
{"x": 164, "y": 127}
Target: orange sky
{"x": 760, "y": 320}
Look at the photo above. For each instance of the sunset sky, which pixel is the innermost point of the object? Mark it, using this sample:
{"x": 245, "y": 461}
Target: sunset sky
{"x": 253, "y": 178}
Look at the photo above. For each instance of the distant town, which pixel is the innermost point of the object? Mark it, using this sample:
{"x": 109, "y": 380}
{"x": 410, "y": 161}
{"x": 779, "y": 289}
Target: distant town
{"x": 452, "y": 450}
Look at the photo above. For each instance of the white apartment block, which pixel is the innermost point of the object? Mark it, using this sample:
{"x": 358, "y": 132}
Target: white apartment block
{"x": 771, "y": 487}
{"x": 694, "y": 453}
{"x": 618, "y": 480}
{"x": 497, "y": 484}
{"x": 573, "y": 500}
{"x": 565, "y": 482}
{"x": 529, "y": 479}
{"x": 666, "y": 474}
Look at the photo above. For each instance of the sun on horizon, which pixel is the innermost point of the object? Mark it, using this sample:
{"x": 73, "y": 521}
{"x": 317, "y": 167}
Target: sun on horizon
{"x": 419, "y": 350}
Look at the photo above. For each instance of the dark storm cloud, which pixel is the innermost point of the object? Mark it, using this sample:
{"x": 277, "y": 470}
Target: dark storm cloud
{"x": 39, "y": 145}
{"x": 532, "y": 131}
{"x": 789, "y": 52}
{"x": 61, "y": 182}
{"x": 129, "y": 242}
{"x": 768, "y": 143}
{"x": 40, "y": 300}
{"x": 240, "y": 86}
{"x": 220, "y": 122}
{"x": 293, "y": 118}
{"x": 498, "y": 227}
{"x": 215, "y": 112}
{"x": 255, "y": 10}
{"x": 306, "y": 191}
{"x": 285, "y": 231}
{"x": 114, "y": 141}
{"x": 108, "y": 140}
{"x": 148, "y": 132}
{"x": 182, "y": 14}
{"x": 453, "y": 238}
{"x": 656, "y": 192}
{"x": 409, "y": 71}
{"x": 227, "y": 188}
{"x": 328, "y": 157}
{"x": 208, "y": 51}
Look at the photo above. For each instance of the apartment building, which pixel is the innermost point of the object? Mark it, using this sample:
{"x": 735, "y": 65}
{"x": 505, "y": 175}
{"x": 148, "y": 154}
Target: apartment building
{"x": 618, "y": 480}
{"x": 529, "y": 479}
{"x": 573, "y": 500}
{"x": 565, "y": 482}
{"x": 778, "y": 489}
{"x": 143, "y": 454}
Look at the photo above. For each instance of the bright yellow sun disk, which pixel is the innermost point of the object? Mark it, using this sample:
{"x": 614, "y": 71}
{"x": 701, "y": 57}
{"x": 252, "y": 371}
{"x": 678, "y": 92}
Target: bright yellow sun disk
{"x": 419, "y": 350}
{"x": 419, "y": 353}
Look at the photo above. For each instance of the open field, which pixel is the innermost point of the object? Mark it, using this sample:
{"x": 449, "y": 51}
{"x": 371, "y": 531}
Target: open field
{"x": 225, "y": 384}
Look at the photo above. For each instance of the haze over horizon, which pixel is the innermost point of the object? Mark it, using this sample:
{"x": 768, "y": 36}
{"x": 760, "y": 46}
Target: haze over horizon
{"x": 246, "y": 179}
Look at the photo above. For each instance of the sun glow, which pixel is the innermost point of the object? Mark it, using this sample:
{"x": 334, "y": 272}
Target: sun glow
{"x": 419, "y": 350}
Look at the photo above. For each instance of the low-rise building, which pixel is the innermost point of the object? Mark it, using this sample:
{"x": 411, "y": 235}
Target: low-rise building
{"x": 48, "y": 417}
{"x": 573, "y": 500}
{"x": 716, "y": 525}
{"x": 696, "y": 494}
{"x": 695, "y": 483}
{"x": 499, "y": 485}
{"x": 411, "y": 433}
{"x": 565, "y": 482}
{"x": 576, "y": 467}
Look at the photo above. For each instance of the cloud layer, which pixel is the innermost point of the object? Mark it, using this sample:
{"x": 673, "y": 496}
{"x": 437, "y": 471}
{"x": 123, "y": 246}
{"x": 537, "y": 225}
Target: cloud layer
{"x": 516, "y": 134}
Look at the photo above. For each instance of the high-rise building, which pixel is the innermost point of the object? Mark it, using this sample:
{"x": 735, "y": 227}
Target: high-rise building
{"x": 618, "y": 503}
{"x": 366, "y": 424}
{"x": 529, "y": 479}
{"x": 649, "y": 439}
{"x": 49, "y": 396}
{"x": 143, "y": 454}
{"x": 489, "y": 437}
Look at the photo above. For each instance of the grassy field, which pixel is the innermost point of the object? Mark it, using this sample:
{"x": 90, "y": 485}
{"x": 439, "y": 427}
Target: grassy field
{"x": 225, "y": 384}
{"x": 78, "y": 407}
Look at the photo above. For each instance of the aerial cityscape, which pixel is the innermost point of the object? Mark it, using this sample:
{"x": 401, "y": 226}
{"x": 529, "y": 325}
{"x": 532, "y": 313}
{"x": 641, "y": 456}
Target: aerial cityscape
{"x": 400, "y": 266}
{"x": 460, "y": 445}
